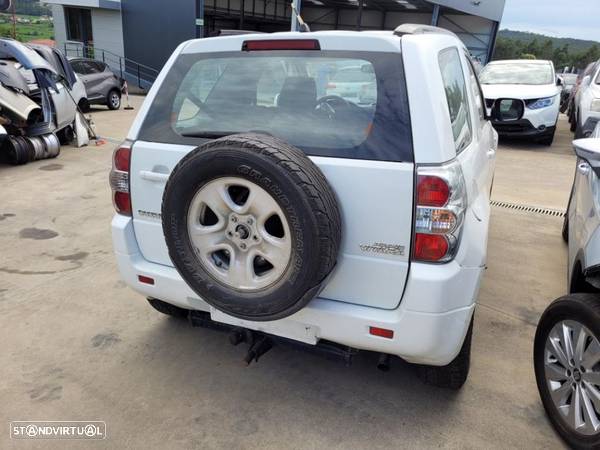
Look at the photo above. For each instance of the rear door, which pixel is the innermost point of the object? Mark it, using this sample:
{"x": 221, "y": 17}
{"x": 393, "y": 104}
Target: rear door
{"x": 475, "y": 140}
{"x": 373, "y": 180}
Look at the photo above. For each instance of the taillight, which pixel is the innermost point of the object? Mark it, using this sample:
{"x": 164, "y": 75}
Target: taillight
{"x": 439, "y": 213}
{"x": 119, "y": 179}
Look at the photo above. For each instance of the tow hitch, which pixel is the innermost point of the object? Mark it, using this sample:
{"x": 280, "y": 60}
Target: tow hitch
{"x": 260, "y": 343}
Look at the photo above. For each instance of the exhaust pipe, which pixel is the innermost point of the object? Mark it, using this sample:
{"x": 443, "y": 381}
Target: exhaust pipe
{"x": 384, "y": 361}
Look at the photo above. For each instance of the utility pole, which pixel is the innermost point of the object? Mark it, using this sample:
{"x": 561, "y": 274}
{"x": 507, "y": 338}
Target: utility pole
{"x": 199, "y": 18}
{"x": 14, "y": 20}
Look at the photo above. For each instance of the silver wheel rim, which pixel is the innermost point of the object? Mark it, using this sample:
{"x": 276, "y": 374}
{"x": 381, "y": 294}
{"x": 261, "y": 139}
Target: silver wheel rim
{"x": 115, "y": 100}
{"x": 240, "y": 234}
{"x": 572, "y": 373}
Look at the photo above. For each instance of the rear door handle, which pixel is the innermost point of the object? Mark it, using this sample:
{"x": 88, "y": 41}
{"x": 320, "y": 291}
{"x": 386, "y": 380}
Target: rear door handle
{"x": 154, "y": 176}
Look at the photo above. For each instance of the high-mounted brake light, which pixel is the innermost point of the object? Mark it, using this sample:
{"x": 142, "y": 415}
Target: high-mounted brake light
{"x": 119, "y": 179}
{"x": 439, "y": 213}
{"x": 281, "y": 44}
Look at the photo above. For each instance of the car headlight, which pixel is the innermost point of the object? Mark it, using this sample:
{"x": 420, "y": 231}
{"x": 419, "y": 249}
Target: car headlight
{"x": 595, "y": 105}
{"x": 539, "y": 103}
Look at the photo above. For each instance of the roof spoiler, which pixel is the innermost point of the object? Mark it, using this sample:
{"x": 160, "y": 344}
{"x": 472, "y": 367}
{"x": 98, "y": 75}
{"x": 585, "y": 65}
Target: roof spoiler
{"x": 414, "y": 28}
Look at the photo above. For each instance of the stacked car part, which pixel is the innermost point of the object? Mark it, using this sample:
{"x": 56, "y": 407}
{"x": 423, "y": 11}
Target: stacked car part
{"x": 21, "y": 150}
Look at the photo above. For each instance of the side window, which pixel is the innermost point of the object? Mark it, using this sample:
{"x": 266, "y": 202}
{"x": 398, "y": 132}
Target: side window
{"x": 456, "y": 95}
{"x": 475, "y": 90}
{"x": 80, "y": 67}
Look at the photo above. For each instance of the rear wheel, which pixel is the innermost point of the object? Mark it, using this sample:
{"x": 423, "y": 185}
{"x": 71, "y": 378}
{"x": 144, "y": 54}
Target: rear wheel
{"x": 567, "y": 367}
{"x": 113, "y": 100}
{"x": 572, "y": 121}
{"x": 453, "y": 375}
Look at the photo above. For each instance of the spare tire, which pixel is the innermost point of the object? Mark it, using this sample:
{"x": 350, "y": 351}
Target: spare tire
{"x": 251, "y": 225}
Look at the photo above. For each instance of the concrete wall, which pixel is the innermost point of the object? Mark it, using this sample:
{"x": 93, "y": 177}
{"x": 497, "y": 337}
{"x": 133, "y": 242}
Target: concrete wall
{"x": 107, "y": 29}
{"x": 60, "y": 30}
{"x": 152, "y": 29}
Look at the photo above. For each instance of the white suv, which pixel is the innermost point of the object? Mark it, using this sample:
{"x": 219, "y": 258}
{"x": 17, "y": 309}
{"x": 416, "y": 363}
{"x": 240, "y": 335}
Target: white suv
{"x": 587, "y": 103}
{"x": 249, "y": 196}
{"x": 524, "y": 98}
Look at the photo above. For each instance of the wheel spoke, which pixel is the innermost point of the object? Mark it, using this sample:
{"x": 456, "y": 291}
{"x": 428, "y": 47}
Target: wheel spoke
{"x": 591, "y": 355}
{"x": 580, "y": 338}
{"x": 241, "y": 271}
{"x": 217, "y": 198}
{"x": 592, "y": 378}
{"x": 261, "y": 204}
{"x": 589, "y": 415}
{"x": 561, "y": 394}
{"x": 207, "y": 239}
{"x": 553, "y": 347}
{"x": 567, "y": 341}
{"x": 574, "y": 414}
{"x": 275, "y": 250}
{"x": 555, "y": 372}
{"x": 593, "y": 393}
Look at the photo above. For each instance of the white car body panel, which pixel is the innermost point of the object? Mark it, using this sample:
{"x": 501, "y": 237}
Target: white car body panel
{"x": 587, "y": 93}
{"x": 583, "y": 215}
{"x": 391, "y": 182}
{"x": 365, "y": 289}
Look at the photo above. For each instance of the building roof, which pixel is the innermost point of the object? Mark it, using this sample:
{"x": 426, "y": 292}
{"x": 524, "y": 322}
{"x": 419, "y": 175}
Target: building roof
{"x": 103, "y": 4}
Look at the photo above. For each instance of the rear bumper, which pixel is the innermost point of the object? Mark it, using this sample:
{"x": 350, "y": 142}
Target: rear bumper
{"x": 429, "y": 325}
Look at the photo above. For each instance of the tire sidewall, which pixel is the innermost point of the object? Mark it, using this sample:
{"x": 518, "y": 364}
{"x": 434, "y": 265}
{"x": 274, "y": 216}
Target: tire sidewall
{"x": 564, "y": 308}
{"x": 204, "y": 165}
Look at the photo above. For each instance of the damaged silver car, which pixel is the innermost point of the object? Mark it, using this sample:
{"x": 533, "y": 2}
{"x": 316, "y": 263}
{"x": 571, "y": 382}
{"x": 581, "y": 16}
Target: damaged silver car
{"x": 39, "y": 94}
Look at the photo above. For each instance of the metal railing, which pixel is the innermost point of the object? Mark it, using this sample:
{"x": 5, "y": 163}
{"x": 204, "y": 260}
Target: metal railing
{"x": 128, "y": 69}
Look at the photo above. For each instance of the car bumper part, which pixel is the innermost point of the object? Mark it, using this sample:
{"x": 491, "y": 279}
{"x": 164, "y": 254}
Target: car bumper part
{"x": 428, "y": 327}
{"x": 522, "y": 129}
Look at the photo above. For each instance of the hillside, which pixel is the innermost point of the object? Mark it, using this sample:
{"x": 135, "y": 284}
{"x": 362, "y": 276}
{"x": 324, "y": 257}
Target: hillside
{"x": 565, "y": 52}
{"x": 32, "y": 8}
{"x": 576, "y": 45}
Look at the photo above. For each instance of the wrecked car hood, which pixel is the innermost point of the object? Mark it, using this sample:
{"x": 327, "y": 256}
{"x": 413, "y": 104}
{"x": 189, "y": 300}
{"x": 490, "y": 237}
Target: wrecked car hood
{"x": 28, "y": 57}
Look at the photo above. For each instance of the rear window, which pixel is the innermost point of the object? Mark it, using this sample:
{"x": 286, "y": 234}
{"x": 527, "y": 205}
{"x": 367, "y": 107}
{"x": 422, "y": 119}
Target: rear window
{"x": 340, "y": 104}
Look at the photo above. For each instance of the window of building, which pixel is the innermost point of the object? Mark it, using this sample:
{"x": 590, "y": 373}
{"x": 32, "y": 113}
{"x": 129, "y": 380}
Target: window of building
{"x": 79, "y": 25}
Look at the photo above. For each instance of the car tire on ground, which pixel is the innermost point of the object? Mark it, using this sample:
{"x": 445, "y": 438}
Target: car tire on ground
{"x": 252, "y": 225}
{"x": 168, "y": 309}
{"x": 453, "y": 375}
{"x": 113, "y": 100}
{"x": 547, "y": 140}
{"x": 558, "y": 349}
{"x": 66, "y": 136}
{"x": 84, "y": 105}
{"x": 572, "y": 121}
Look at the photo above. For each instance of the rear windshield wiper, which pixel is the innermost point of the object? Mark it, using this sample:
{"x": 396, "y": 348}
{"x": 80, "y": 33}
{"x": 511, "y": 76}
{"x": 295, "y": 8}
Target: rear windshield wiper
{"x": 208, "y": 134}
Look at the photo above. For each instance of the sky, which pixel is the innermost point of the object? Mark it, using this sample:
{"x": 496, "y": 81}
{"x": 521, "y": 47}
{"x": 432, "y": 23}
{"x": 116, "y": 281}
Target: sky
{"x": 560, "y": 18}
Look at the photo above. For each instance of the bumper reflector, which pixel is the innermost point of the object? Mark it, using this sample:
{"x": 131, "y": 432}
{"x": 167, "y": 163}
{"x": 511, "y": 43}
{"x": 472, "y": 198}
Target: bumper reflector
{"x": 381, "y": 332}
{"x": 145, "y": 280}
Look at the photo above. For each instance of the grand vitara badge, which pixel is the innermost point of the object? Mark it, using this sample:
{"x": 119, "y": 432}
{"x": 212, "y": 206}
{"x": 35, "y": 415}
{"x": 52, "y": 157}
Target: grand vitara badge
{"x": 380, "y": 247}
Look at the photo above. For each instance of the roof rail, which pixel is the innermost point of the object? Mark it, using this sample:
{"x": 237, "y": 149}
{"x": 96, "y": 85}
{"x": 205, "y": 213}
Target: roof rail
{"x": 415, "y": 28}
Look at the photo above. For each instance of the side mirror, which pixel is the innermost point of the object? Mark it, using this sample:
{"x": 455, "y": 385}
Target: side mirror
{"x": 559, "y": 81}
{"x": 589, "y": 150}
{"x": 586, "y": 80}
